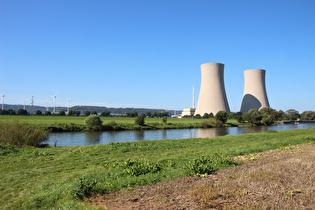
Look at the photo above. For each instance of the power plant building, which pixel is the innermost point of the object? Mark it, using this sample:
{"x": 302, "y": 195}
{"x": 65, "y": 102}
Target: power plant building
{"x": 255, "y": 96}
{"x": 212, "y": 96}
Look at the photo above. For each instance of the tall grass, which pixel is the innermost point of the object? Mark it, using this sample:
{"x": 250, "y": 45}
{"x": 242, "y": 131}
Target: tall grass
{"x": 20, "y": 134}
{"x": 60, "y": 177}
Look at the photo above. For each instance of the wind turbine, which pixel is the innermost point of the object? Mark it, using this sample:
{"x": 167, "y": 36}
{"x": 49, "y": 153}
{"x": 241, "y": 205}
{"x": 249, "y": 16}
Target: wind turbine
{"x": 2, "y": 100}
{"x": 47, "y": 104}
{"x": 25, "y": 99}
{"x": 68, "y": 100}
{"x": 54, "y": 102}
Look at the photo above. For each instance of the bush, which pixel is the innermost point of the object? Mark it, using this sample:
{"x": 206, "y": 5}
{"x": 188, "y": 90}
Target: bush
{"x": 268, "y": 120}
{"x": 253, "y": 116}
{"x": 139, "y": 120}
{"x": 93, "y": 122}
{"x": 84, "y": 187}
{"x": 222, "y": 116}
{"x": 20, "y": 134}
{"x": 165, "y": 120}
{"x": 113, "y": 125}
{"x": 38, "y": 112}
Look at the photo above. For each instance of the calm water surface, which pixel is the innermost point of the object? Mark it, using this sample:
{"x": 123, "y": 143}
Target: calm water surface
{"x": 90, "y": 138}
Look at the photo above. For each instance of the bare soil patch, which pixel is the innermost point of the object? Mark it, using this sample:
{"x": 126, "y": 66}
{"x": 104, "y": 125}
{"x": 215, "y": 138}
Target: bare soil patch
{"x": 277, "y": 179}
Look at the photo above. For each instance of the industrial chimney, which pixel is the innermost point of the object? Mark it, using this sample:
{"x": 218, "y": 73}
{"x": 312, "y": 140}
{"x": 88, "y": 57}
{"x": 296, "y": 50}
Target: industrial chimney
{"x": 212, "y": 97}
{"x": 255, "y": 96}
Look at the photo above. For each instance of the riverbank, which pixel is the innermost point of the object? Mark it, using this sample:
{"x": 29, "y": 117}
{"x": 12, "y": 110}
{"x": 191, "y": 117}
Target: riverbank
{"x": 62, "y": 177}
{"x": 75, "y": 124}
{"x": 276, "y": 179}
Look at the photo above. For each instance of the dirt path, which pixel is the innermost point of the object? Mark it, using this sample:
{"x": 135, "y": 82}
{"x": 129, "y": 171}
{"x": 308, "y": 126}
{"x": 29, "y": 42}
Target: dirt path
{"x": 278, "y": 179}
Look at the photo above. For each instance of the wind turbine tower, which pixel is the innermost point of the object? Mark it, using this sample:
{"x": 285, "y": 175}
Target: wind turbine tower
{"x": 54, "y": 102}
{"x": 68, "y": 100}
{"x": 47, "y": 104}
{"x": 2, "y": 101}
{"x": 25, "y": 99}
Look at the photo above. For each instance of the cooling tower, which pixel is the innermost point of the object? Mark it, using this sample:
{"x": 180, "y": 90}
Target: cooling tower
{"x": 255, "y": 96}
{"x": 212, "y": 97}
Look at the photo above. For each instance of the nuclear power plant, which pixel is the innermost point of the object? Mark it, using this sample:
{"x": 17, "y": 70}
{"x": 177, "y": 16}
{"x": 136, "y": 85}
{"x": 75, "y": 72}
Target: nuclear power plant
{"x": 255, "y": 96}
{"x": 212, "y": 96}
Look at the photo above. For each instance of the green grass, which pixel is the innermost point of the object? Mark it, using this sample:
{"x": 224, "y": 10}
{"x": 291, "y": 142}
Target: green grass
{"x": 67, "y": 123}
{"x": 58, "y": 177}
{"x": 49, "y": 120}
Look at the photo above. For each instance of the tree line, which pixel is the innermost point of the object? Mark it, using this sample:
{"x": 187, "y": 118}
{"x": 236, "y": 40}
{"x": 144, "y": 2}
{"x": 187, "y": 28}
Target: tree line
{"x": 264, "y": 115}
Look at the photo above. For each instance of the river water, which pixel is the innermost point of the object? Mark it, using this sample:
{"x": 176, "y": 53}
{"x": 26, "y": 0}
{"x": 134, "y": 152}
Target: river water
{"x": 91, "y": 138}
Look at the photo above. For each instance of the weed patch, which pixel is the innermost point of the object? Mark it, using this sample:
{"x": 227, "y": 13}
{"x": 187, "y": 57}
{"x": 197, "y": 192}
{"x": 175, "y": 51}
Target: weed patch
{"x": 209, "y": 164}
{"x": 140, "y": 167}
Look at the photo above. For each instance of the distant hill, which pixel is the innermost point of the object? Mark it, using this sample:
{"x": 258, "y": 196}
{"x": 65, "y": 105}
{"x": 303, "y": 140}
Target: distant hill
{"x": 82, "y": 109}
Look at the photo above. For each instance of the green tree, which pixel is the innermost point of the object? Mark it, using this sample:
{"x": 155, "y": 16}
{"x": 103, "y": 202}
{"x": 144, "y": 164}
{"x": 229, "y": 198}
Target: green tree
{"x": 93, "y": 122}
{"x": 140, "y": 120}
{"x": 105, "y": 114}
{"x": 94, "y": 113}
{"x": 11, "y": 112}
{"x": 197, "y": 116}
{"x": 133, "y": 114}
{"x": 62, "y": 113}
{"x": 71, "y": 113}
{"x": 77, "y": 113}
{"x": 87, "y": 113}
{"x": 222, "y": 116}
{"x": 21, "y": 112}
{"x": 47, "y": 113}
{"x": 205, "y": 116}
{"x": 308, "y": 115}
{"x": 38, "y": 112}
{"x": 253, "y": 116}
{"x": 165, "y": 120}
{"x": 292, "y": 114}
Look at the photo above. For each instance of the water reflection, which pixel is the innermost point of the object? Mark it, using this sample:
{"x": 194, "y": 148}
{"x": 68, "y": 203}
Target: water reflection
{"x": 139, "y": 136}
{"x": 209, "y": 133}
{"x": 90, "y": 138}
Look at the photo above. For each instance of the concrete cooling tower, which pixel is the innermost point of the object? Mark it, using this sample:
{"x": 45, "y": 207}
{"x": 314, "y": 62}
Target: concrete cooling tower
{"x": 255, "y": 96}
{"x": 212, "y": 97}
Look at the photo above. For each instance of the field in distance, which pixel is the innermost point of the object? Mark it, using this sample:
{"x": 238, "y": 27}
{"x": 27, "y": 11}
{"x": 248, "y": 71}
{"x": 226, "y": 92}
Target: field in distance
{"x": 49, "y": 120}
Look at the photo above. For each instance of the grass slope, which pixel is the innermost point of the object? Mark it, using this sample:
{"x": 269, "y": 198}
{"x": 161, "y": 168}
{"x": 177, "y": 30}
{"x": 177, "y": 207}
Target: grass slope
{"x": 60, "y": 177}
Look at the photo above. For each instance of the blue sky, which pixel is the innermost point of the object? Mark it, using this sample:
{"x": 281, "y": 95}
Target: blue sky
{"x": 141, "y": 53}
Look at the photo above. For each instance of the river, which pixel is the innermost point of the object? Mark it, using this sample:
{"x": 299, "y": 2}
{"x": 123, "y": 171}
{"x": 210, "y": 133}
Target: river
{"x": 91, "y": 138}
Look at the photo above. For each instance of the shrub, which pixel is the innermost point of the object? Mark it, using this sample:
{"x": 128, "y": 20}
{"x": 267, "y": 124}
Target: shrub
{"x": 253, "y": 116}
{"x": 20, "y": 134}
{"x": 139, "y": 120}
{"x": 165, "y": 120}
{"x": 113, "y": 125}
{"x": 84, "y": 187}
{"x": 38, "y": 112}
{"x": 93, "y": 122}
{"x": 268, "y": 120}
{"x": 222, "y": 116}
{"x": 197, "y": 116}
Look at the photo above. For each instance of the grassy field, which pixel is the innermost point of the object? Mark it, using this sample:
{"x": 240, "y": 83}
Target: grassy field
{"x": 60, "y": 177}
{"x": 67, "y": 123}
{"x": 49, "y": 120}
